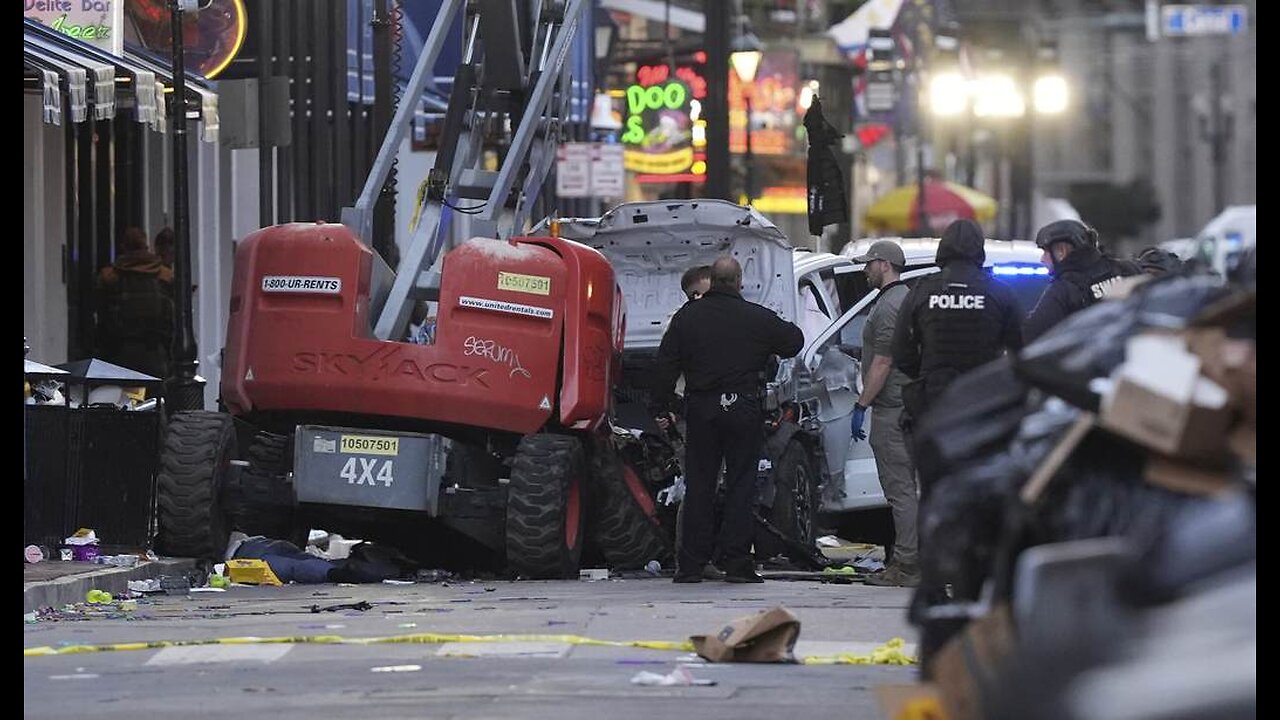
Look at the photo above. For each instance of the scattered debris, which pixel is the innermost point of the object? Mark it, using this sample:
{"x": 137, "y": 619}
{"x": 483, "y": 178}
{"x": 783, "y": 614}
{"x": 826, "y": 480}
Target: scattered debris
{"x": 362, "y": 606}
{"x": 396, "y": 668}
{"x": 678, "y": 677}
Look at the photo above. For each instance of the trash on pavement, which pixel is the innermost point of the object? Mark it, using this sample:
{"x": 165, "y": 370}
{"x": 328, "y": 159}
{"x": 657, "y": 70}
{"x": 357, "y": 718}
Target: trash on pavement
{"x": 149, "y": 585}
{"x": 680, "y": 676}
{"x": 768, "y": 637}
{"x": 654, "y": 567}
{"x": 83, "y": 536}
{"x": 251, "y": 572}
{"x": 828, "y": 541}
{"x": 396, "y": 668}
{"x": 361, "y": 606}
{"x": 125, "y": 561}
{"x": 95, "y": 597}
{"x": 593, "y": 574}
{"x": 33, "y": 554}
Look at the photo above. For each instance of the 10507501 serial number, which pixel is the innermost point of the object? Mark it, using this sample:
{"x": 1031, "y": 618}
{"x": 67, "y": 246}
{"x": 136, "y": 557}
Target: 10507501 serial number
{"x": 369, "y": 445}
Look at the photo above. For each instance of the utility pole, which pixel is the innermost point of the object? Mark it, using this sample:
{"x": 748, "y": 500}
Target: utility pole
{"x": 717, "y": 106}
{"x": 185, "y": 390}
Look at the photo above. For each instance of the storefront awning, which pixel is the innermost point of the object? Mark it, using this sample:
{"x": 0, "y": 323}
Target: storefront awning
{"x": 49, "y": 51}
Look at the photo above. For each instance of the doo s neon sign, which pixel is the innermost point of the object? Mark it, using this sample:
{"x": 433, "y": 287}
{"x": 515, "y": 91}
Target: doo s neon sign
{"x": 672, "y": 96}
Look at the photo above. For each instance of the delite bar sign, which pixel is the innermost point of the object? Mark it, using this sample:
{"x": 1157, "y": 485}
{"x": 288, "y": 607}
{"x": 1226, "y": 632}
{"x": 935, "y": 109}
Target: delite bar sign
{"x": 301, "y": 284}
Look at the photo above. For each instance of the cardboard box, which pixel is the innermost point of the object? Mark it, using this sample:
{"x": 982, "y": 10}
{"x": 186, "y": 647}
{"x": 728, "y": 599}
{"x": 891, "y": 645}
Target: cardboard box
{"x": 1160, "y": 400}
{"x": 1183, "y": 477}
{"x": 1230, "y": 362}
{"x": 768, "y": 637}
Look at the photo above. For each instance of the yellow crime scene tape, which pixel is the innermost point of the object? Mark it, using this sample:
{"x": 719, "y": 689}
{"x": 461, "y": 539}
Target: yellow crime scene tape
{"x": 889, "y": 653}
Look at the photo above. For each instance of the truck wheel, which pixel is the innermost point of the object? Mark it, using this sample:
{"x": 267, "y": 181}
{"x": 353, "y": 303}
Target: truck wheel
{"x": 795, "y": 503}
{"x": 194, "y": 463}
{"x": 544, "y": 507}
{"x": 627, "y": 530}
{"x": 262, "y": 497}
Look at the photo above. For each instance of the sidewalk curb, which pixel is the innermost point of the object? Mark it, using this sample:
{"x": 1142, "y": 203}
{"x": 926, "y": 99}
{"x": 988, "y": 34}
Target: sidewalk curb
{"x": 72, "y": 588}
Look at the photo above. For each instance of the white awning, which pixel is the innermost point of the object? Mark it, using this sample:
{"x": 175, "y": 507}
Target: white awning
{"x": 690, "y": 20}
{"x": 47, "y": 50}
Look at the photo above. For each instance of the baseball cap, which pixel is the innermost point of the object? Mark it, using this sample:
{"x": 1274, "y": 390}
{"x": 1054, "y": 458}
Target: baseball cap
{"x": 887, "y": 250}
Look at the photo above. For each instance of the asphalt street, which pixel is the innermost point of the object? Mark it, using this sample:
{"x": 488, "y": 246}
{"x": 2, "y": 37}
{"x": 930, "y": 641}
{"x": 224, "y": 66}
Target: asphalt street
{"x": 542, "y": 673}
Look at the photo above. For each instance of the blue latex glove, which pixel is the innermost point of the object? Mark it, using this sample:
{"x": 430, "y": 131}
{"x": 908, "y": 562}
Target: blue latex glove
{"x": 855, "y": 423}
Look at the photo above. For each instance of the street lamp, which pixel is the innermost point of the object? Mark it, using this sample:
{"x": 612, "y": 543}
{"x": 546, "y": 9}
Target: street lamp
{"x": 1050, "y": 95}
{"x": 606, "y": 33}
{"x": 948, "y": 94}
{"x": 745, "y": 59}
{"x": 185, "y": 388}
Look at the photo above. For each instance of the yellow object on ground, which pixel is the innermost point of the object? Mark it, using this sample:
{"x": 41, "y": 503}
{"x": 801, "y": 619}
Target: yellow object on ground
{"x": 251, "y": 572}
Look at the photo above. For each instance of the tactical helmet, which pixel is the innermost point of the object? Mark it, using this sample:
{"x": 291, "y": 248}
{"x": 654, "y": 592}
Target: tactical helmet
{"x": 1074, "y": 232}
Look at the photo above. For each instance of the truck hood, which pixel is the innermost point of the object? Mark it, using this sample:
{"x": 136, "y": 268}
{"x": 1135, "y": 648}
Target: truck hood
{"x": 651, "y": 244}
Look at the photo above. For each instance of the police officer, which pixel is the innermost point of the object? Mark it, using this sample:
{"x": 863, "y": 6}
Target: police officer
{"x": 954, "y": 320}
{"x": 722, "y": 344}
{"x": 1082, "y": 275}
{"x": 882, "y": 389}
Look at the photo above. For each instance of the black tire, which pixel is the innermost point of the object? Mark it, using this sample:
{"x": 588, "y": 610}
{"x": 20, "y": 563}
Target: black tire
{"x": 627, "y": 535}
{"x": 263, "y": 502}
{"x": 194, "y": 463}
{"x": 795, "y": 502}
{"x": 544, "y": 528}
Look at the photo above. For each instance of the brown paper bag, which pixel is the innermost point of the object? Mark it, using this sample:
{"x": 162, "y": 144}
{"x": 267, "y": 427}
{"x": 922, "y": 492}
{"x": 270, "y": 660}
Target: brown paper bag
{"x": 766, "y": 637}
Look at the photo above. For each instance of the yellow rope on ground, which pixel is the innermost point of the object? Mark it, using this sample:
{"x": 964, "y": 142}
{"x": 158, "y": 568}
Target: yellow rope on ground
{"x": 889, "y": 653}
{"x": 425, "y": 638}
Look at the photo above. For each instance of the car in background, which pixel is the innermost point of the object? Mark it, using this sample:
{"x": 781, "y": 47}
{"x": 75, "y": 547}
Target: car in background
{"x": 810, "y": 463}
{"x": 1225, "y": 238}
{"x": 832, "y": 360}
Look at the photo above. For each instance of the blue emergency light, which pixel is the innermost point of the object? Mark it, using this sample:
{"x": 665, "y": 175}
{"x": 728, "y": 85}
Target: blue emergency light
{"x": 1019, "y": 270}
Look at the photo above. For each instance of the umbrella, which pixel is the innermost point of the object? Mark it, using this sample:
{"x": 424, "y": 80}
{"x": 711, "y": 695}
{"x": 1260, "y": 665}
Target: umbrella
{"x": 897, "y": 210}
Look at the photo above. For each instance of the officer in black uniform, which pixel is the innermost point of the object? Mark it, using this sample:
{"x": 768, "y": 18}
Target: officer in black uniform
{"x": 954, "y": 320}
{"x": 722, "y": 343}
{"x": 1082, "y": 275}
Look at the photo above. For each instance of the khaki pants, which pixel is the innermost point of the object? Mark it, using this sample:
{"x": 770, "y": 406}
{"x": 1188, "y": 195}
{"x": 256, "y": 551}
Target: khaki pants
{"x": 898, "y": 479}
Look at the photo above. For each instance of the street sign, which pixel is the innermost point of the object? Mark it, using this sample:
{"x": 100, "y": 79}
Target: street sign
{"x": 573, "y": 170}
{"x": 608, "y": 175}
{"x": 1197, "y": 20}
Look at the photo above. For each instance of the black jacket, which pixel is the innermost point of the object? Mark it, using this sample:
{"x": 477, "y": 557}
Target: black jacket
{"x": 722, "y": 343}
{"x": 953, "y": 321}
{"x": 1081, "y": 279}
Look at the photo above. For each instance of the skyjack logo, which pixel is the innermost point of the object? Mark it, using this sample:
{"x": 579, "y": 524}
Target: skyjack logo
{"x": 383, "y": 363}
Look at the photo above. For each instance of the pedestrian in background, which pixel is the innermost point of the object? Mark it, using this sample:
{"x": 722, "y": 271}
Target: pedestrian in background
{"x": 164, "y": 247}
{"x": 134, "y": 300}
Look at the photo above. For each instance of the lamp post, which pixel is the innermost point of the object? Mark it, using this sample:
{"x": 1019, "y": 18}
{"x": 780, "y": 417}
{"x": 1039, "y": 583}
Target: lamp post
{"x": 185, "y": 389}
{"x": 745, "y": 60}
